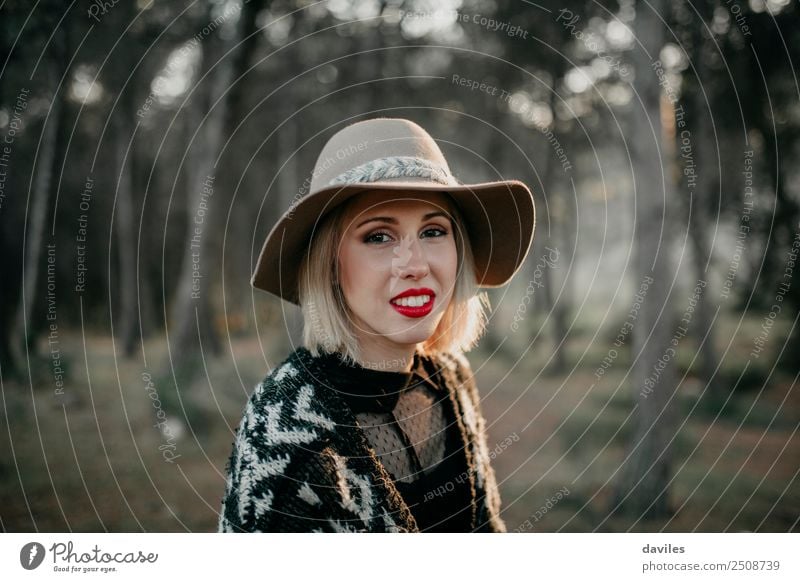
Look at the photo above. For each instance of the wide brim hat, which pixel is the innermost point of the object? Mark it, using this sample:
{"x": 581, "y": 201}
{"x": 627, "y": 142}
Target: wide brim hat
{"x": 397, "y": 155}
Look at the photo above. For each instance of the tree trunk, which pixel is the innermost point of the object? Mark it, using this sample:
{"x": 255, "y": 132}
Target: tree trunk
{"x": 194, "y": 314}
{"x": 560, "y": 229}
{"x": 193, "y": 308}
{"x": 125, "y": 219}
{"x": 26, "y": 328}
{"x": 701, "y": 200}
{"x": 124, "y": 211}
{"x": 641, "y": 489}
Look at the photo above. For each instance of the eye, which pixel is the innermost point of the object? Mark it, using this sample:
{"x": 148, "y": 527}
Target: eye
{"x": 376, "y": 237}
{"x": 437, "y": 230}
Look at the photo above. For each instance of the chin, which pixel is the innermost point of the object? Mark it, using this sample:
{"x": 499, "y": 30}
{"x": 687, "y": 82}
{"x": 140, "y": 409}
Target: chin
{"x": 406, "y": 337}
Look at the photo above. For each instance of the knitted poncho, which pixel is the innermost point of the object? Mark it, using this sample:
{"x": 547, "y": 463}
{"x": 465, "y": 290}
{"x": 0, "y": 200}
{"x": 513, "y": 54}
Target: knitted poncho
{"x": 301, "y": 463}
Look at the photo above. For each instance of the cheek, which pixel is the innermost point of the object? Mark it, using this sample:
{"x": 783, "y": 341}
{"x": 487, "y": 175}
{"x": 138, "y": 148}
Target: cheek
{"x": 359, "y": 272}
{"x": 445, "y": 259}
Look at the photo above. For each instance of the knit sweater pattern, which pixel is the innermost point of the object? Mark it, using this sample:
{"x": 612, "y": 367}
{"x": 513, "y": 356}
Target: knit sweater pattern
{"x": 301, "y": 463}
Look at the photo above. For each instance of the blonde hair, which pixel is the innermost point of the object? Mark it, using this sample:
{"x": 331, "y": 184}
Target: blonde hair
{"x": 326, "y": 326}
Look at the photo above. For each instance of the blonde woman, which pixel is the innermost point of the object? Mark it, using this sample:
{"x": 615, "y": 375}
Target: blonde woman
{"x": 374, "y": 424}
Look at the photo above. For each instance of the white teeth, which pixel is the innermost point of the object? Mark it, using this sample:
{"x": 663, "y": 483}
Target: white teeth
{"x": 415, "y": 301}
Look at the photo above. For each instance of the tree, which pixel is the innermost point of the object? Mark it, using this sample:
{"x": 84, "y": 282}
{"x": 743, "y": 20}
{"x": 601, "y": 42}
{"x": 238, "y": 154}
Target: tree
{"x": 695, "y": 140}
{"x": 217, "y": 90}
{"x": 125, "y": 216}
{"x": 641, "y": 489}
{"x": 49, "y": 158}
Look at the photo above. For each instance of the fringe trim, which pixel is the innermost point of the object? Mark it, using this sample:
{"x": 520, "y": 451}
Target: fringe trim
{"x": 394, "y": 167}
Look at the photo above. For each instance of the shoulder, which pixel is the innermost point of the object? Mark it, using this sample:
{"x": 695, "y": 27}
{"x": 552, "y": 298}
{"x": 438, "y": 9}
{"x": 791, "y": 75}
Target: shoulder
{"x": 283, "y": 424}
{"x": 456, "y": 363}
{"x": 288, "y": 375}
{"x": 283, "y": 417}
{"x": 457, "y": 372}
{"x": 288, "y": 399}
{"x": 291, "y": 382}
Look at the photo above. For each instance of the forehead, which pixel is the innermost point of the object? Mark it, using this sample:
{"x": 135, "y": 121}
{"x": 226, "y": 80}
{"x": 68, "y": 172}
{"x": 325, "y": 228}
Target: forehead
{"x": 387, "y": 203}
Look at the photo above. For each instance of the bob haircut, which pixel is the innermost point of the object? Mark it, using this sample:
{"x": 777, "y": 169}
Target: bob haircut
{"x": 326, "y": 316}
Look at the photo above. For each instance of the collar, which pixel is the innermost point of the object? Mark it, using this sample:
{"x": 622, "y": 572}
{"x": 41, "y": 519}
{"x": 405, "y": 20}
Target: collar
{"x": 373, "y": 390}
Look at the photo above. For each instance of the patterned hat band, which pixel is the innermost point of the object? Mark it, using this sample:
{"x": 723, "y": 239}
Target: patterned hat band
{"x": 394, "y": 167}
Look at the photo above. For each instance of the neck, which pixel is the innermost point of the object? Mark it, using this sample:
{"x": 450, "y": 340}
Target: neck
{"x": 395, "y": 358}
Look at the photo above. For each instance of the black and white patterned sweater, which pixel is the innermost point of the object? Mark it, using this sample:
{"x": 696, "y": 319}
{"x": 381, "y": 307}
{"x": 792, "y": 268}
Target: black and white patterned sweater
{"x": 301, "y": 463}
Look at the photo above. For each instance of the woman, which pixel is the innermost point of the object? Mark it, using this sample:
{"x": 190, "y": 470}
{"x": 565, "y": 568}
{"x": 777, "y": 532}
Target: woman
{"x": 375, "y": 423}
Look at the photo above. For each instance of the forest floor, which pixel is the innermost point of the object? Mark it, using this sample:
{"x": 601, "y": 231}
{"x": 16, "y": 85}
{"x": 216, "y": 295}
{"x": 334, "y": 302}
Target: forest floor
{"x": 92, "y": 459}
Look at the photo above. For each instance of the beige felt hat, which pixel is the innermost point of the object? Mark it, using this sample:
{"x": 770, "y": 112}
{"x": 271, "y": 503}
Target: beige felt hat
{"x": 398, "y": 155}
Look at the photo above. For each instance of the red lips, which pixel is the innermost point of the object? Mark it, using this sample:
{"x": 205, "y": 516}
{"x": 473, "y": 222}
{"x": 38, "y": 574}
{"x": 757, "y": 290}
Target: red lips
{"x": 412, "y": 292}
{"x": 411, "y": 311}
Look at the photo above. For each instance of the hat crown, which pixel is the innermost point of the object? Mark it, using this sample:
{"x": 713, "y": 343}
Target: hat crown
{"x": 350, "y": 150}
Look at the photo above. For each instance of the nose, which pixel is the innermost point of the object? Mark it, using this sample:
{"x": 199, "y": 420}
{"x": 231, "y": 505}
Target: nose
{"x": 409, "y": 261}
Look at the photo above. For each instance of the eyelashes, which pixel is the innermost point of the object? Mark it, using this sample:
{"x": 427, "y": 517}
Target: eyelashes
{"x": 372, "y": 238}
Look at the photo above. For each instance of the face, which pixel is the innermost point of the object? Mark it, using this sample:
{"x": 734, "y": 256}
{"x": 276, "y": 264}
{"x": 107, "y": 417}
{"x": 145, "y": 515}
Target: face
{"x": 397, "y": 244}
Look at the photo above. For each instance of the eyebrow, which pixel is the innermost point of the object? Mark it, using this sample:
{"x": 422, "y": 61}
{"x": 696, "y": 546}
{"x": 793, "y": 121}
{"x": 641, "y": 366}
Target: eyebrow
{"x": 392, "y": 220}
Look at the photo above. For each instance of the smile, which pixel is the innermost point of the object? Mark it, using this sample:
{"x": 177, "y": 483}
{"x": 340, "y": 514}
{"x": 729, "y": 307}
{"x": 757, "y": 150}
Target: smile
{"x": 414, "y": 302}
